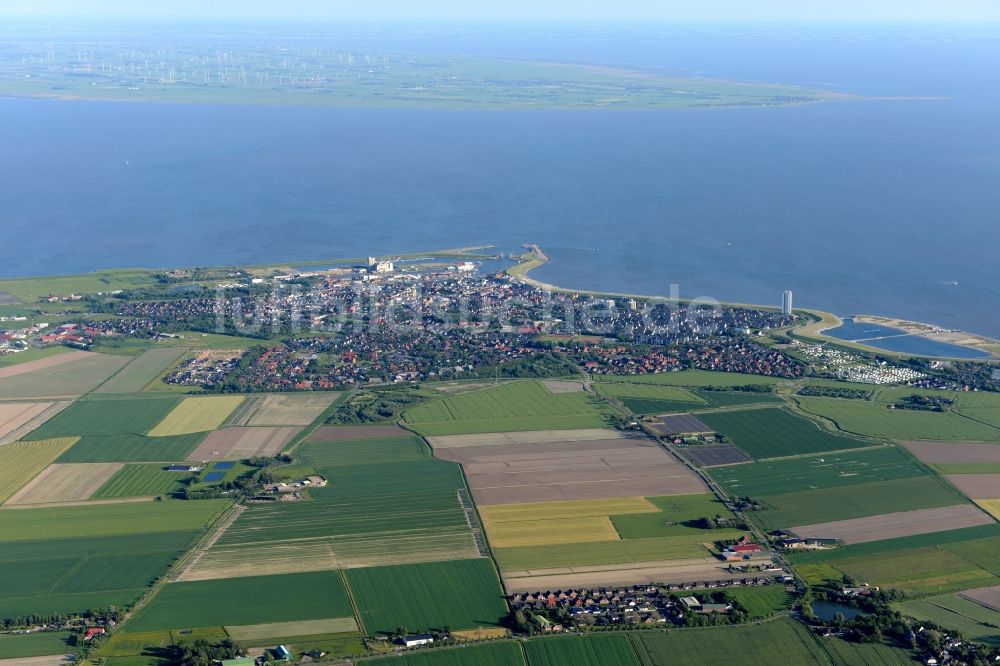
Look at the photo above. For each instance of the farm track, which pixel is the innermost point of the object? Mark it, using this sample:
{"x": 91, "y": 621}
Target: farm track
{"x": 181, "y": 563}
{"x": 195, "y": 554}
{"x": 473, "y": 520}
{"x": 96, "y": 502}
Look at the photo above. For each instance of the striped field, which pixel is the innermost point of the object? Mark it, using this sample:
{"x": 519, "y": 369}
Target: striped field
{"x": 20, "y": 462}
{"x": 197, "y": 415}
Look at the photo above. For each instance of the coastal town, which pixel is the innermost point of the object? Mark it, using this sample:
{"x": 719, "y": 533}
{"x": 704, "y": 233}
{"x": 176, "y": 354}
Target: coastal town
{"x": 377, "y": 324}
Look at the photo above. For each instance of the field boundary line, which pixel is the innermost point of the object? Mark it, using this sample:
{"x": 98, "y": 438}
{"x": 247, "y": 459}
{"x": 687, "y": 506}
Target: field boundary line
{"x": 115, "y": 373}
{"x": 201, "y": 549}
{"x": 36, "y": 422}
{"x": 354, "y": 605}
{"x": 69, "y": 574}
{"x": 969, "y": 418}
{"x": 317, "y": 423}
{"x": 178, "y": 357}
{"x": 170, "y": 573}
{"x": 821, "y": 453}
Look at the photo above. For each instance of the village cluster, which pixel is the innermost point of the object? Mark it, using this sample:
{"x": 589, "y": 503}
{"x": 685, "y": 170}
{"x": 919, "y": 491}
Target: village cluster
{"x": 653, "y": 605}
{"x": 373, "y": 326}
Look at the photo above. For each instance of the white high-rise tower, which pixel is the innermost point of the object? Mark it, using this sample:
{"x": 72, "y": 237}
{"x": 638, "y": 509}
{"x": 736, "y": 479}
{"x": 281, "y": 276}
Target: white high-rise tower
{"x": 786, "y": 302}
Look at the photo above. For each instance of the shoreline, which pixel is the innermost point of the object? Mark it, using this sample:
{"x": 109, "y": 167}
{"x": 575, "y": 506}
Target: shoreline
{"x": 813, "y": 330}
{"x": 950, "y": 336}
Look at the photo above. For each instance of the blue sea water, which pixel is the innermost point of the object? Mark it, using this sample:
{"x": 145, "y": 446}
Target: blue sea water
{"x": 897, "y": 340}
{"x": 880, "y": 206}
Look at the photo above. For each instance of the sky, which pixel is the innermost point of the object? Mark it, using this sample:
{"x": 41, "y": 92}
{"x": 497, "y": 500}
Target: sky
{"x": 538, "y": 10}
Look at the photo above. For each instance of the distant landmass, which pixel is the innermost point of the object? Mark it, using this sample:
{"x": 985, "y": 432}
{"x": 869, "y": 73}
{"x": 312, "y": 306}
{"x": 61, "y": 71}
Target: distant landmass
{"x": 261, "y": 71}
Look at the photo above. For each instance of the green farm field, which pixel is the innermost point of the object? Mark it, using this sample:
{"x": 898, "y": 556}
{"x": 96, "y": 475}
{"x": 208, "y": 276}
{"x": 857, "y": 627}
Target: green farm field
{"x": 843, "y": 468}
{"x": 487, "y": 654}
{"x": 517, "y": 406}
{"x": 141, "y": 481}
{"x": 73, "y": 574}
{"x": 968, "y": 468}
{"x": 355, "y": 481}
{"x": 613, "y": 649}
{"x": 763, "y": 601}
{"x": 981, "y": 400}
{"x": 129, "y": 447}
{"x": 107, "y": 519}
{"x": 925, "y": 564}
{"x": 677, "y": 511}
{"x": 464, "y": 594}
{"x": 277, "y": 632}
{"x": 246, "y": 601}
{"x": 900, "y": 544}
{"x": 610, "y": 552}
{"x": 367, "y": 515}
{"x": 854, "y": 501}
{"x": 648, "y": 398}
{"x": 649, "y": 392}
{"x": 325, "y": 455}
{"x": 29, "y": 290}
{"x": 771, "y": 433}
{"x": 875, "y": 419}
{"x": 387, "y": 502}
{"x": 847, "y": 653}
{"x": 948, "y": 610}
{"x": 652, "y": 406}
{"x": 695, "y": 379}
{"x": 141, "y": 370}
{"x": 716, "y": 645}
{"x": 126, "y": 643}
{"x": 347, "y": 532}
{"x": 982, "y": 407}
{"x": 14, "y": 646}
{"x": 113, "y": 430}
{"x": 738, "y": 398}
{"x": 76, "y": 377}
{"x": 107, "y": 417}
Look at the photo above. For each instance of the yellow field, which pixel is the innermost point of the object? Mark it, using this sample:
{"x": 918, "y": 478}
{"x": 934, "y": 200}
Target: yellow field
{"x": 551, "y": 532}
{"x": 280, "y": 630}
{"x": 20, "y": 462}
{"x": 990, "y": 506}
{"x": 197, "y": 415}
{"x": 65, "y": 483}
{"x": 503, "y": 513}
{"x": 480, "y": 634}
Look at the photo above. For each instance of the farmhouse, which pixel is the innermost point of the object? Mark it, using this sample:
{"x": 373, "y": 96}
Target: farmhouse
{"x": 94, "y": 631}
{"x": 414, "y": 640}
{"x": 281, "y": 653}
{"x": 744, "y": 549}
{"x": 184, "y": 468}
